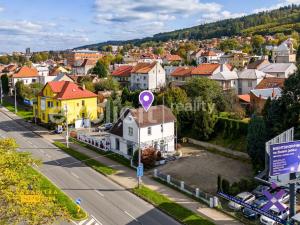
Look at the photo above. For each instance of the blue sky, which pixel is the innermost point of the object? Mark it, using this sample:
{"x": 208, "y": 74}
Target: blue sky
{"x": 62, "y": 24}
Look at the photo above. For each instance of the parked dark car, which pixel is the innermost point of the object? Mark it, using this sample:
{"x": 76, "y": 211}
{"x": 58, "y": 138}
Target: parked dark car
{"x": 258, "y": 203}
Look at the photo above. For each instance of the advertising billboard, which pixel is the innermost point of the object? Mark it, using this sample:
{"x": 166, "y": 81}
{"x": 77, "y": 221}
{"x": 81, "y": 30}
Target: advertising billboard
{"x": 285, "y": 158}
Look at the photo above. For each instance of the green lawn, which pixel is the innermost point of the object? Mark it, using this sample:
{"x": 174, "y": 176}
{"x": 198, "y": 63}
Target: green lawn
{"x": 25, "y": 114}
{"x": 237, "y": 143}
{"x": 47, "y": 188}
{"x": 113, "y": 156}
{"x": 99, "y": 167}
{"x": 175, "y": 210}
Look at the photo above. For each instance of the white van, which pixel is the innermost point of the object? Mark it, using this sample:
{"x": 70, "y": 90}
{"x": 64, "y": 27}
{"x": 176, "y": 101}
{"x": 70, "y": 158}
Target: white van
{"x": 275, "y": 212}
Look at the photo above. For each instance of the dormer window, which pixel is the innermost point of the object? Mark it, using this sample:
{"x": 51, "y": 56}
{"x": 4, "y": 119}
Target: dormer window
{"x": 149, "y": 131}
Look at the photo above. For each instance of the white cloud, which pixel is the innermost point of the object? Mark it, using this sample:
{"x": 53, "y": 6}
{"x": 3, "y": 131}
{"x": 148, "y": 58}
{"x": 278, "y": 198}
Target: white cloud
{"x": 38, "y": 35}
{"x": 123, "y": 19}
{"x": 278, "y": 5}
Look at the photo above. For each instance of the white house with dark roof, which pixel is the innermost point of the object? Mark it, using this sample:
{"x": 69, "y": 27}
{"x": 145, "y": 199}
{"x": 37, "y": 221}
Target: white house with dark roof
{"x": 248, "y": 79}
{"x": 227, "y": 79}
{"x": 280, "y": 70}
{"x": 136, "y": 127}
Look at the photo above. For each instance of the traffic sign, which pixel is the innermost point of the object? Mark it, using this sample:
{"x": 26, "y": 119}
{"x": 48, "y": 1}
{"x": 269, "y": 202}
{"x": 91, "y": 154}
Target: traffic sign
{"x": 78, "y": 201}
{"x": 140, "y": 170}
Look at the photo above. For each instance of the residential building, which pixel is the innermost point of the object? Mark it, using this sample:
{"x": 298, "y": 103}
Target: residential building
{"x": 180, "y": 75}
{"x": 208, "y": 69}
{"x": 258, "y": 97}
{"x": 258, "y": 64}
{"x": 248, "y": 79}
{"x": 208, "y": 57}
{"x": 82, "y": 67}
{"x": 138, "y": 128}
{"x": 122, "y": 75}
{"x": 172, "y": 59}
{"x": 150, "y": 58}
{"x": 239, "y": 60}
{"x": 147, "y": 76}
{"x": 43, "y": 71}
{"x": 57, "y": 95}
{"x": 271, "y": 82}
{"x": 228, "y": 80}
{"x": 83, "y": 54}
{"x": 26, "y": 74}
{"x": 281, "y": 70}
{"x": 284, "y": 53}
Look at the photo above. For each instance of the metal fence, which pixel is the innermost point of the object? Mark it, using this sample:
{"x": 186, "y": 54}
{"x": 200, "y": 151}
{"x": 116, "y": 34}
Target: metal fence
{"x": 180, "y": 185}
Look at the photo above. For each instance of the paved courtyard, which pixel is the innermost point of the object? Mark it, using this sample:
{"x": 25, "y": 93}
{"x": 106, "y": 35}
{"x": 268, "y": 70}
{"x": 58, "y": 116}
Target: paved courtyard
{"x": 200, "y": 168}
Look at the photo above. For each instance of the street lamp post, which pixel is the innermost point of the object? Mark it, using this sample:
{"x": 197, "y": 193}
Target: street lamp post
{"x": 140, "y": 159}
{"x": 16, "y": 107}
{"x": 67, "y": 126}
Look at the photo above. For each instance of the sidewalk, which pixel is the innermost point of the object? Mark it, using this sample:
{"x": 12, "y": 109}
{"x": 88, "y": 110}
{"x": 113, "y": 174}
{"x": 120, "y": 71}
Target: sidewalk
{"x": 126, "y": 177}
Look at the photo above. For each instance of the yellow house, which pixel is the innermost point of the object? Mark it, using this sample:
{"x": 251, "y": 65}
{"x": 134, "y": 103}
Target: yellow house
{"x": 239, "y": 60}
{"x": 61, "y": 99}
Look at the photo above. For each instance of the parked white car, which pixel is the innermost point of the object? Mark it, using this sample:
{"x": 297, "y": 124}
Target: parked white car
{"x": 246, "y": 197}
{"x": 275, "y": 212}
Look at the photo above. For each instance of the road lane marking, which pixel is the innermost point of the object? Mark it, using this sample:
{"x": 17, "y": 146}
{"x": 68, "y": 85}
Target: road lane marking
{"x": 73, "y": 174}
{"x": 57, "y": 162}
{"x": 132, "y": 217}
{"x": 48, "y": 156}
{"x": 98, "y": 192}
{"x": 98, "y": 223}
{"x": 81, "y": 222}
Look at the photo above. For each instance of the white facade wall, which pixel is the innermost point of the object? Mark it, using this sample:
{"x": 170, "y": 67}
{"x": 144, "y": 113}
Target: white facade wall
{"x": 246, "y": 85}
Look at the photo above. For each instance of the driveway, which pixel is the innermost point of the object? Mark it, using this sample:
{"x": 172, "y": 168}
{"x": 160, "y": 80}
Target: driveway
{"x": 200, "y": 168}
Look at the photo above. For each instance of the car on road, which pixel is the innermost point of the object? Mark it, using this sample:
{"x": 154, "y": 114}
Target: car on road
{"x": 274, "y": 211}
{"x": 105, "y": 127}
{"x": 246, "y": 197}
{"x": 258, "y": 203}
{"x": 258, "y": 191}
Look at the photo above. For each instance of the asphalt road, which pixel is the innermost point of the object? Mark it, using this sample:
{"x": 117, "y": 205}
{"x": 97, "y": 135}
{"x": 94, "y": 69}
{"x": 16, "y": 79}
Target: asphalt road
{"x": 106, "y": 202}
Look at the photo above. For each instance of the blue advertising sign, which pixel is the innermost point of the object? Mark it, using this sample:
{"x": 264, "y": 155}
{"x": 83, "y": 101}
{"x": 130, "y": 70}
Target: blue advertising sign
{"x": 285, "y": 158}
{"x": 257, "y": 210}
{"x": 140, "y": 170}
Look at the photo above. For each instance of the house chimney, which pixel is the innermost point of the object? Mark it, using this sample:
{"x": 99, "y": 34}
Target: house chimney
{"x": 273, "y": 93}
{"x": 83, "y": 86}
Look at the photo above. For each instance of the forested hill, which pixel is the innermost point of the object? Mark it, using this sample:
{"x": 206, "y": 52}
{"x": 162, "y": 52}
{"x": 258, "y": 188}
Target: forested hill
{"x": 285, "y": 20}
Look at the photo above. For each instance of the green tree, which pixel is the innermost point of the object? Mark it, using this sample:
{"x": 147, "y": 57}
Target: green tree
{"x": 298, "y": 55}
{"x": 257, "y": 43}
{"x": 100, "y": 69}
{"x": 256, "y": 139}
{"x": 158, "y": 51}
{"x": 229, "y": 44}
{"x": 118, "y": 58}
{"x": 208, "y": 90}
{"x": 4, "y": 60}
{"x": 5, "y": 87}
{"x": 108, "y": 84}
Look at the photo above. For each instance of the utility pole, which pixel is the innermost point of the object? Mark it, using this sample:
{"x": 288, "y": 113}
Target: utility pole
{"x": 1, "y": 90}
{"x": 140, "y": 158}
{"x": 67, "y": 126}
{"x": 16, "y": 106}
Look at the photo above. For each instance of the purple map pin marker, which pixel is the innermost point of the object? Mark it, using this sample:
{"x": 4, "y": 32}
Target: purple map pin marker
{"x": 146, "y": 99}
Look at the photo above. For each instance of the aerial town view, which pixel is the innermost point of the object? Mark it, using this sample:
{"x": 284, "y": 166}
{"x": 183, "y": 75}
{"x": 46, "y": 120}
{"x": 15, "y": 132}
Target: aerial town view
{"x": 134, "y": 112}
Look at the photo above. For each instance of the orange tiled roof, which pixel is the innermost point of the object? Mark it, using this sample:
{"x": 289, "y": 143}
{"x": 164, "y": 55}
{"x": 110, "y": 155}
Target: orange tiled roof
{"x": 173, "y": 58}
{"x": 205, "y": 69}
{"x": 122, "y": 71}
{"x": 182, "y": 72}
{"x": 10, "y": 68}
{"x": 143, "y": 67}
{"x": 245, "y": 98}
{"x": 69, "y": 90}
{"x": 26, "y": 71}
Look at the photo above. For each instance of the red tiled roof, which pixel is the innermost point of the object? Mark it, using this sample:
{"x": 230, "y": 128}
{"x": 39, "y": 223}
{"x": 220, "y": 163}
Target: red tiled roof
{"x": 10, "y": 68}
{"x": 173, "y": 58}
{"x": 182, "y": 72}
{"x": 26, "y": 71}
{"x": 143, "y": 67}
{"x": 69, "y": 90}
{"x": 205, "y": 69}
{"x": 122, "y": 71}
{"x": 245, "y": 98}
{"x": 271, "y": 82}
